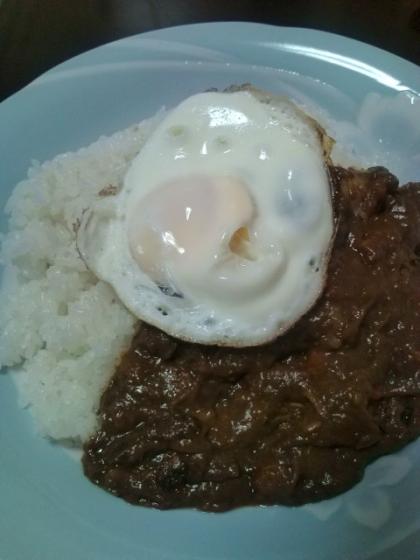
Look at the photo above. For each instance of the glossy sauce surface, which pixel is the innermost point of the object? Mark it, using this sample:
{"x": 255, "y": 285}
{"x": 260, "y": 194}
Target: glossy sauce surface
{"x": 186, "y": 425}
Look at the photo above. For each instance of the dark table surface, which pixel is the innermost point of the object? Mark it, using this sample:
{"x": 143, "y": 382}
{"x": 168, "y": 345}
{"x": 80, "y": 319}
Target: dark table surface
{"x": 37, "y": 34}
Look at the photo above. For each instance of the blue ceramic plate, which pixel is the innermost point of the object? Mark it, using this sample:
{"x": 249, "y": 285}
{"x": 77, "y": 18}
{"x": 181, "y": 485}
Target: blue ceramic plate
{"x": 48, "y": 510}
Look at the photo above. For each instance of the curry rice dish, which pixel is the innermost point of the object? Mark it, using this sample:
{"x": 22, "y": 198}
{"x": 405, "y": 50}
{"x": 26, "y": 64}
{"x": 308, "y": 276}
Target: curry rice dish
{"x": 170, "y": 423}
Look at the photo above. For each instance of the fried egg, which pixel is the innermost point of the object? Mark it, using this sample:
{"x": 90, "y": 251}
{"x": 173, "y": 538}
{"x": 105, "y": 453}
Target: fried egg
{"x": 222, "y": 229}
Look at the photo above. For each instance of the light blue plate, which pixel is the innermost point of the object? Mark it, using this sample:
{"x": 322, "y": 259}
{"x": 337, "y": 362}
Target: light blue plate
{"x": 48, "y": 510}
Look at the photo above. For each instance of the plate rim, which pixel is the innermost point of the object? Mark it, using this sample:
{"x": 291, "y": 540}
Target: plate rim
{"x": 306, "y": 36}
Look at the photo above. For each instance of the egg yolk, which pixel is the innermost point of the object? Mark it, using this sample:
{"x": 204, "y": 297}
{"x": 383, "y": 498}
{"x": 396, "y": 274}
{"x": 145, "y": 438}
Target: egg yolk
{"x": 188, "y": 223}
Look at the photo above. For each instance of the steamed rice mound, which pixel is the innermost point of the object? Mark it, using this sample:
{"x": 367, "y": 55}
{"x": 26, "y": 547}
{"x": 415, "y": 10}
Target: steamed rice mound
{"x": 59, "y": 323}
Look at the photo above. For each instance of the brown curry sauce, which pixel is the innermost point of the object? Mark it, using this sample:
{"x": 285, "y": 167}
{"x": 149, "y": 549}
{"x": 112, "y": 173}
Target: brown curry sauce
{"x": 294, "y": 421}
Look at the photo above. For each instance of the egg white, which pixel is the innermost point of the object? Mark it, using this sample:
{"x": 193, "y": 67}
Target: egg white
{"x": 280, "y": 155}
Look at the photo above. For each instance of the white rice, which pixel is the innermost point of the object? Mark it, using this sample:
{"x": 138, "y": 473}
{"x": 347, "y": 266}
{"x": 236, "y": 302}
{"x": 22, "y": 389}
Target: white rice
{"x": 59, "y": 323}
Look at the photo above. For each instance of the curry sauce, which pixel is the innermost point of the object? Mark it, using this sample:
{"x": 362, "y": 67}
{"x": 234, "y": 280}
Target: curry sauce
{"x": 294, "y": 421}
